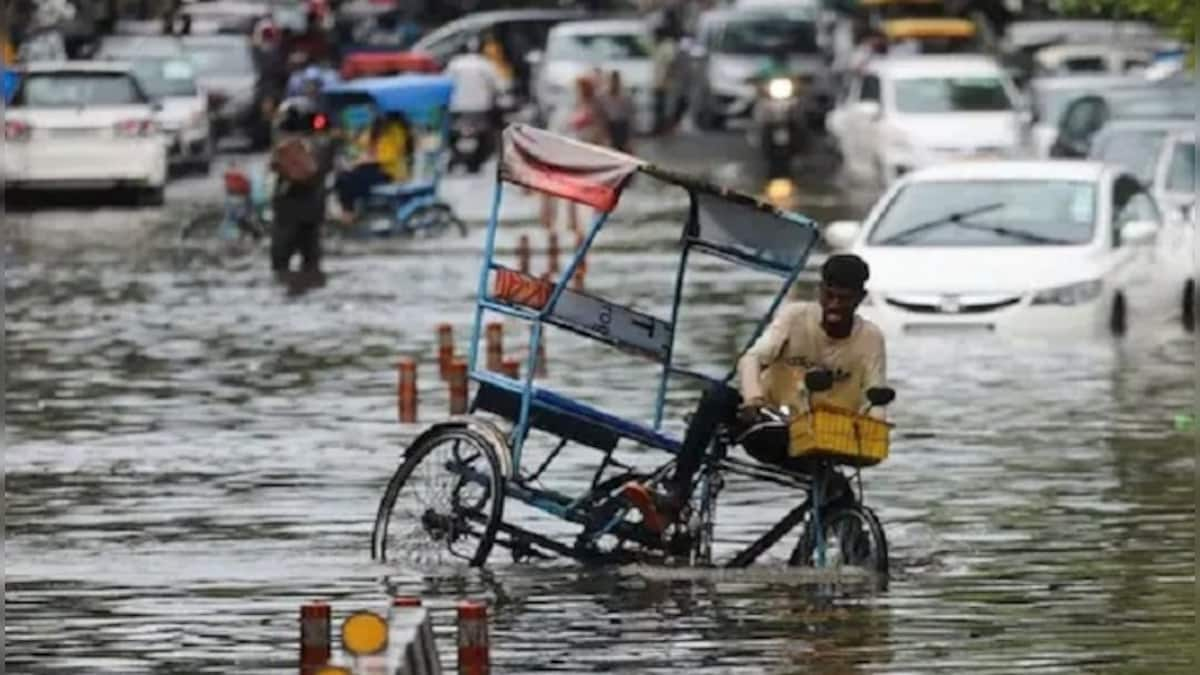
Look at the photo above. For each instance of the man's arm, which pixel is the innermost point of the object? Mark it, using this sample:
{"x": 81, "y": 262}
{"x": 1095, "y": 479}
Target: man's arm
{"x": 875, "y": 372}
{"x": 766, "y": 349}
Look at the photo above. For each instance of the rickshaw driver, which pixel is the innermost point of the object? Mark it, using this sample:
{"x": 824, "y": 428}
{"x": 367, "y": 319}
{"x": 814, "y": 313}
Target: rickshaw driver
{"x": 802, "y": 336}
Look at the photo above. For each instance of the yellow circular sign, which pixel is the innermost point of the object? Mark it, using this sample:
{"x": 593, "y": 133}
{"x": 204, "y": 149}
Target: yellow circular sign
{"x": 364, "y": 633}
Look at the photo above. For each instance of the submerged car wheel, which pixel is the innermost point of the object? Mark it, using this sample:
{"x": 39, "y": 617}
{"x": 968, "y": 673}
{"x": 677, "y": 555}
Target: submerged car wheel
{"x": 1189, "y": 306}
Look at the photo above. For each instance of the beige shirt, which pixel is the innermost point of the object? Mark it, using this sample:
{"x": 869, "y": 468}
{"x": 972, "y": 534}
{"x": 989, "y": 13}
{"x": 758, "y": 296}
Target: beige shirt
{"x": 794, "y": 342}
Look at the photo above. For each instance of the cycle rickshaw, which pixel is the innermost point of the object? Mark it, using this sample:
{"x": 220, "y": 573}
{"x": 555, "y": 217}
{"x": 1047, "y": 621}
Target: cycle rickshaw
{"x": 477, "y": 457}
{"x": 420, "y": 104}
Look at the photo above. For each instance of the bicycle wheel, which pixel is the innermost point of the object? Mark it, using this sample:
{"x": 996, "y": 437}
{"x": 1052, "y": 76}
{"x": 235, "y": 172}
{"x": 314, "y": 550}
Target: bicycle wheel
{"x": 853, "y": 537}
{"x": 445, "y": 501}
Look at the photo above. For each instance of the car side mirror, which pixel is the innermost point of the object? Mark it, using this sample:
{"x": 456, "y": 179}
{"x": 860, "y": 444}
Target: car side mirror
{"x": 881, "y": 396}
{"x": 840, "y": 234}
{"x": 156, "y": 106}
{"x": 818, "y": 380}
{"x": 1139, "y": 231}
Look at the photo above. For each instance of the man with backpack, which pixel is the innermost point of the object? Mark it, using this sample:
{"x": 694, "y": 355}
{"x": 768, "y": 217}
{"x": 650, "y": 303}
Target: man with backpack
{"x": 301, "y": 160}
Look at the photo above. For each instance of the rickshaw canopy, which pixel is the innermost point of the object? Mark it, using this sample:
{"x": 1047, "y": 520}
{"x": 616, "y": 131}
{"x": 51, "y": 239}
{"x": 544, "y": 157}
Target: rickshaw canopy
{"x": 722, "y": 221}
{"x": 383, "y": 63}
{"x": 422, "y": 99}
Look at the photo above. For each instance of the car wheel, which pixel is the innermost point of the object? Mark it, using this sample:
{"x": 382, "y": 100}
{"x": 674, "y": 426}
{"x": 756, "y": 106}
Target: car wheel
{"x": 1189, "y": 306}
{"x": 1118, "y": 320}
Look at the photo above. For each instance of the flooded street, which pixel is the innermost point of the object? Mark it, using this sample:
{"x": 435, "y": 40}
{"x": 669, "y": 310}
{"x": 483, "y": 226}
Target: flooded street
{"x": 192, "y": 455}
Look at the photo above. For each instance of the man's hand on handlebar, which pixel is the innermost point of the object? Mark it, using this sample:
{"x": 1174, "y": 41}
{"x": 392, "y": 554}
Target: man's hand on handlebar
{"x": 751, "y": 410}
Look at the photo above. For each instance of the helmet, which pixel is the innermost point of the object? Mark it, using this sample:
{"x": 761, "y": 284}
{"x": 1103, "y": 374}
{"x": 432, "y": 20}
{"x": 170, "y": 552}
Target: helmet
{"x": 296, "y": 116}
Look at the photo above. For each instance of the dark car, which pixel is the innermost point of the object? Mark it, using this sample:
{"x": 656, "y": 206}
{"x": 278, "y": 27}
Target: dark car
{"x": 520, "y": 32}
{"x": 237, "y": 97}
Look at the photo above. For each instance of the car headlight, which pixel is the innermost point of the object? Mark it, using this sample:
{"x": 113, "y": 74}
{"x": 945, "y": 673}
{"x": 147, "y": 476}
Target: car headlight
{"x": 781, "y": 88}
{"x": 1071, "y": 294}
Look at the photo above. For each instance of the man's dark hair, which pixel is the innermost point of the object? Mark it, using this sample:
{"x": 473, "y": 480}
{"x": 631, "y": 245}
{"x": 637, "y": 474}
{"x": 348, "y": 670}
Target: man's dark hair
{"x": 845, "y": 270}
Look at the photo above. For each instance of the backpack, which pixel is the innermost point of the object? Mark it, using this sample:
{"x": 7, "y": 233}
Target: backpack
{"x": 295, "y": 161}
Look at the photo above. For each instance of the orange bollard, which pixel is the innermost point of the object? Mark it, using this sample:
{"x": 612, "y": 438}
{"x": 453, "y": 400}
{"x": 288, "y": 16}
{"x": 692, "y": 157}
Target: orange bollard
{"x": 495, "y": 346}
{"x": 523, "y": 253}
{"x": 406, "y": 391}
{"x": 445, "y": 333}
{"x": 458, "y": 387}
{"x": 552, "y": 252}
{"x": 315, "y": 638}
{"x": 473, "y": 651}
{"x": 511, "y": 368}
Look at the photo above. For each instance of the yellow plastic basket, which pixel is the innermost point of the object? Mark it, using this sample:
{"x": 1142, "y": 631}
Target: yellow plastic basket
{"x": 840, "y": 435}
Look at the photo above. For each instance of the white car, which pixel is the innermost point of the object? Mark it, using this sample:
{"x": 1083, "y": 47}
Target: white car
{"x": 184, "y": 114}
{"x": 1091, "y": 58}
{"x": 575, "y": 49}
{"x": 905, "y": 113}
{"x": 82, "y": 124}
{"x": 1175, "y": 187}
{"x": 1012, "y": 247}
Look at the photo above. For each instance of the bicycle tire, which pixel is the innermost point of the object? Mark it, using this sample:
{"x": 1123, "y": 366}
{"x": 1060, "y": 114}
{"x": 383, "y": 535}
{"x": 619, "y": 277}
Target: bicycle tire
{"x": 833, "y": 520}
{"x": 492, "y": 511}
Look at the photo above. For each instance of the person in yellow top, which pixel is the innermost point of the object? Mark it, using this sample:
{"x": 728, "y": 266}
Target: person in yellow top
{"x": 381, "y": 157}
{"x": 494, "y": 52}
{"x": 803, "y": 336}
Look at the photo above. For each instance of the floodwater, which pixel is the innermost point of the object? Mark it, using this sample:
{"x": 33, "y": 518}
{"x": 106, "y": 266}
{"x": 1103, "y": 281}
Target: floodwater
{"x": 192, "y": 455}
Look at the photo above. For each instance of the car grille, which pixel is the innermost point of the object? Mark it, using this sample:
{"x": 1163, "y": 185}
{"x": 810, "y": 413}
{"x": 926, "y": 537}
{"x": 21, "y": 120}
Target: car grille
{"x": 952, "y": 305}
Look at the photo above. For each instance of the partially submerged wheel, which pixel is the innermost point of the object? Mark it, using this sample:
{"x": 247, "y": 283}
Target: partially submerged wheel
{"x": 1189, "y": 306}
{"x": 435, "y": 219}
{"x": 445, "y": 502}
{"x": 852, "y": 536}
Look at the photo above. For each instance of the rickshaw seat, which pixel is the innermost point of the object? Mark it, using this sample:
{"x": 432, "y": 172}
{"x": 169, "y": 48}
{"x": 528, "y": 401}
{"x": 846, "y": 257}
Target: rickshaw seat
{"x": 565, "y": 417}
{"x": 398, "y": 190}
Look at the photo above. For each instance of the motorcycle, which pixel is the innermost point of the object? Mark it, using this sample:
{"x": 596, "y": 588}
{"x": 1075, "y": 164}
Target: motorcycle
{"x": 779, "y": 124}
{"x": 471, "y": 140}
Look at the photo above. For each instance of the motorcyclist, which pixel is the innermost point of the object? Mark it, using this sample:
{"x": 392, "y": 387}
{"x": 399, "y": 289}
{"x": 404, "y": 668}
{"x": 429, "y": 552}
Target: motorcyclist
{"x": 477, "y": 88}
{"x": 298, "y": 201}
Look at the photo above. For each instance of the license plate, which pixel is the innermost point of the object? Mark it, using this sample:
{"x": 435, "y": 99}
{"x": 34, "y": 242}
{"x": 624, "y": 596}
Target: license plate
{"x": 781, "y": 136}
{"x": 467, "y": 144}
{"x": 947, "y": 328}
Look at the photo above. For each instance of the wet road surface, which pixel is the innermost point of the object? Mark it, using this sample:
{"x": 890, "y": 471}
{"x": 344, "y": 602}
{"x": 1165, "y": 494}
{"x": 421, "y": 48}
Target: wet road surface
{"x": 192, "y": 455}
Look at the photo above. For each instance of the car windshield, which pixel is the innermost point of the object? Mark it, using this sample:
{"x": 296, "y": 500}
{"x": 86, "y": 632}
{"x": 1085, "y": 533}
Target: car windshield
{"x": 598, "y": 47}
{"x": 769, "y": 32}
{"x": 165, "y": 78}
{"x": 221, "y": 59}
{"x": 1181, "y": 175}
{"x": 71, "y": 90}
{"x": 1135, "y": 149}
{"x": 992, "y": 213}
{"x": 951, "y": 94}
